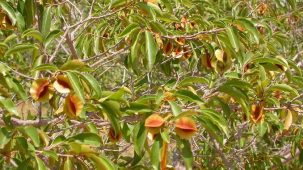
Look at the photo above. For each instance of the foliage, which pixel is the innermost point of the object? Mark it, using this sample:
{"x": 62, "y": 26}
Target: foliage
{"x": 117, "y": 84}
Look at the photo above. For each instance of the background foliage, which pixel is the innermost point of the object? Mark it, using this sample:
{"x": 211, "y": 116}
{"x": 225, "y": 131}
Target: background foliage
{"x": 234, "y": 67}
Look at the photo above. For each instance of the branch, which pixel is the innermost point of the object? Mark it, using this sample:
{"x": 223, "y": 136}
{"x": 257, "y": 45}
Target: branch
{"x": 71, "y": 46}
{"x": 37, "y": 122}
{"x": 194, "y": 36}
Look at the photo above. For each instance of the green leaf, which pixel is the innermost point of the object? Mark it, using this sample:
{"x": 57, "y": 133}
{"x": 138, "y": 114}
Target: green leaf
{"x": 20, "y": 21}
{"x": 40, "y": 164}
{"x": 75, "y": 65}
{"x": 129, "y": 29}
{"x": 101, "y": 162}
{"x": 51, "y": 154}
{"x": 87, "y": 138}
{"x": 9, "y": 10}
{"x": 51, "y": 36}
{"x": 151, "y": 49}
{"x": 188, "y": 95}
{"x": 58, "y": 140}
{"x": 158, "y": 27}
{"x": 176, "y": 109}
{"x": 15, "y": 86}
{"x": 269, "y": 60}
{"x": 29, "y": 12}
{"x": 134, "y": 49}
{"x": 76, "y": 84}
{"x": 46, "y": 21}
{"x": 47, "y": 67}
{"x": 188, "y": 113}
{"x": 155, "y": 153}
{"x": 68, "y": 165}
{"x": 233, "y": 38}
{"x": 249, "y": 26}
{"x": 8, "y": 105}
{"x": 238, "y": 95}
{"x": 283, "y": 88}
{"x": 238, "y": 83}
{"x": 216, "y": 118}
{"x": 186, "y": 153}
{"x": 4, "y": 137}
{"x": 118, "y": 3}
{"x": 190, "y": 80}
{"x": 139, "y": 137}
{"x": 19, "y": 48}
{"x": 112, "y": 111}
{"x": 136, "y": 107}
{"x": 33, "y": 33}
{"x": 10, "y": 38}
{"x": 93, "y": 83}
{"x": 32, "y": 133}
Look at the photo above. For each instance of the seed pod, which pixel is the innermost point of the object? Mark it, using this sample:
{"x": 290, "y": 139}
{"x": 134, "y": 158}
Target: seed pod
{"x": 206, "y": 60}
{"x": 185, "y": 127}
{"x": 257, "y": 112}
{"x": 73, "y": 106}
{"x": 154, "y": 123}
{"x": 187, "y": 53}
{"x": 168, "y": 47}
{"x": 113, "y": 136}
{"x": 41, "y": 90}
{"x": 62, "y": 84}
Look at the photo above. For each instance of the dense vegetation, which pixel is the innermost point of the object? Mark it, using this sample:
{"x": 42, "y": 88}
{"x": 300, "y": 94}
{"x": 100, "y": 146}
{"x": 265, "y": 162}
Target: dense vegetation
{"x": 153, "y": 84}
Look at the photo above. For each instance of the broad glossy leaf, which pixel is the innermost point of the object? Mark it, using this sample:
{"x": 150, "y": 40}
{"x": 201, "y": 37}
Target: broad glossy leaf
{"x": 186, "y": 153}
{"x": 8, "y": 105}
{"x": 283, "y": 88}
{"x": 129, "y": 29}
{"x": 40, "y": 164}
{"x": 155, "y": 154}
{"x": 20, "y": 48}
{"x": 87, "y": 138}
{"x": 33, "y": 134}
{"x": 75, "y": 65}
{"x": 233, "y": 38}
{"x": 52, "y": 36}
{"x": 15, "y": 86}
{"x": 76, "y": 84}
{"x": 9, "y": 10}
{"x": 33, "y": 33}
{"x": 176, "y": 109}
{"x": 187, "y": 95}
{"x": 93, "y": 83}
{"x": 249, "y": 26}
{"x": 112, "y": 111}
{"x": 5, "y": 137}
{"x": 101, "y": 162}
{"x": 139, "y": 137}
{"x": 134, "y": 48}
{"x": 46, "y": 21}
{"x": 68, "y": 165}
{"x": 190, "y": 80}
{"x": 47, "y": 67}
{"x": 151, "y": 50}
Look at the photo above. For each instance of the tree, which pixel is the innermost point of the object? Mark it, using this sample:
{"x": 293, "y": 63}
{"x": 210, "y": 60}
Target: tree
{"x": 117, "y": 84}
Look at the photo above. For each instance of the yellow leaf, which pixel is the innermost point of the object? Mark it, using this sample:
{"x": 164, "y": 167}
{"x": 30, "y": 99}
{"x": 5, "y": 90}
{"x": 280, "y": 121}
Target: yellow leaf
{"x": 288, "y": 120}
